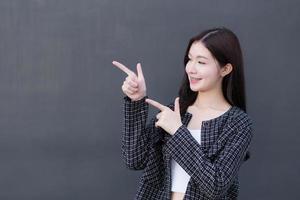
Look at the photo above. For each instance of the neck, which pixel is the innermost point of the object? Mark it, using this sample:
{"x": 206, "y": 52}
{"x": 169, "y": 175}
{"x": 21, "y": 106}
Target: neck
{"x": 213, "y": 98}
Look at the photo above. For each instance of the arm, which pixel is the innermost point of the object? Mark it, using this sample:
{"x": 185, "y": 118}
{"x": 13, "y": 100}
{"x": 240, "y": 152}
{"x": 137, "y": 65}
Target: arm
{"x": 212, "y": 177}
{"x": 135, "y": 139}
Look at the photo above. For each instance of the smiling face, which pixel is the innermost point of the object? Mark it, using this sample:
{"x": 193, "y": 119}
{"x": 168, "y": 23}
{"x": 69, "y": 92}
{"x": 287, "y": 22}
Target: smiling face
{"x": 203, "y": 70}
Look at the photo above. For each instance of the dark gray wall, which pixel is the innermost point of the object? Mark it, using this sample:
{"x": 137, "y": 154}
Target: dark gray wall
{"x": 61, "y": 101}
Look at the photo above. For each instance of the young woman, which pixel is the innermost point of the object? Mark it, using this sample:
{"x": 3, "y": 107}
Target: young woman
{"x": 193, "y": 148}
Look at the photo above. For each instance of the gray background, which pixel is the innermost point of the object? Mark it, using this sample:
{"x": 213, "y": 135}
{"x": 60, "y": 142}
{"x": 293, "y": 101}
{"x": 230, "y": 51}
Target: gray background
{"x": 61, "y": 100}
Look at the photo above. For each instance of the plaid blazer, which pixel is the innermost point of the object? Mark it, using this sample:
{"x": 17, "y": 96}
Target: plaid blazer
{"x": 212, "y": 165}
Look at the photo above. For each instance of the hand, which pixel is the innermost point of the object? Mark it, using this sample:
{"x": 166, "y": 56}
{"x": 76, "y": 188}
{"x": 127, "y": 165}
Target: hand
{"x": 168, "y": 119}
{"x": 134, "y": 85}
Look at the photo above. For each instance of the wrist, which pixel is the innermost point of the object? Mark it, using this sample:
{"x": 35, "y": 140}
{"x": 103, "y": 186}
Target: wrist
{"x": 140, "y": 98}
{"x": 176, "y": 128}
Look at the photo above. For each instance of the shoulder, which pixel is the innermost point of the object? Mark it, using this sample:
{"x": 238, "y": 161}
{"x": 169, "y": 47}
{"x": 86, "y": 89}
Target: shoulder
{"x": 240, "y": 119}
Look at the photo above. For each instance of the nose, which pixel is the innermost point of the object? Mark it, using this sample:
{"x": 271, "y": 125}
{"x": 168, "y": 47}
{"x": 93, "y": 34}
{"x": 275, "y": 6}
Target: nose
{"x": 190, "y": 68}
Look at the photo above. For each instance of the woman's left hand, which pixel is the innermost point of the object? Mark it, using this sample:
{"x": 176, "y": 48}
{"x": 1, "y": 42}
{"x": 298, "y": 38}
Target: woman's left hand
{"x": 168, "y": 119}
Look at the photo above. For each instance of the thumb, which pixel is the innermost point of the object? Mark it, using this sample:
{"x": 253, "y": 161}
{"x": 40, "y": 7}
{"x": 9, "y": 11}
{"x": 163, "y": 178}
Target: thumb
{"x": 177, "y": 106}
{"x": 139, "y": 71}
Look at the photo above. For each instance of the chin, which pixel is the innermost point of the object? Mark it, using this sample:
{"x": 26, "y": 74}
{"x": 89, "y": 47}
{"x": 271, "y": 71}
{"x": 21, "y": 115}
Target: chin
{"x": 198, "y": 89}
{"x": 195, "y": 89}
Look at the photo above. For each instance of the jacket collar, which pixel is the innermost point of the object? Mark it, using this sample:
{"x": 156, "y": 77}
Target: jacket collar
{"x": 187, "y": 117}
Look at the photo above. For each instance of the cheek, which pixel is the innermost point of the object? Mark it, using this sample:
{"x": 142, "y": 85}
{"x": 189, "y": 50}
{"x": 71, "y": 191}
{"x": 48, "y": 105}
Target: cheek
{"x": 210, "y": 72}
{"x": 212, "y": 78}
{"x": 187, "y": 68}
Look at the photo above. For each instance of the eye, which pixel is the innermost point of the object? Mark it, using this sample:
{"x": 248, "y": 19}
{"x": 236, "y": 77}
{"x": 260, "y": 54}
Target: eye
{"x": 201, "y": 62}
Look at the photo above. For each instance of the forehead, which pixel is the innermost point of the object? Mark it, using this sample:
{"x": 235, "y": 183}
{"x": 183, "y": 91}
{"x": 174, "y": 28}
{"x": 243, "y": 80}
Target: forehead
{"x": 198, "y": 49}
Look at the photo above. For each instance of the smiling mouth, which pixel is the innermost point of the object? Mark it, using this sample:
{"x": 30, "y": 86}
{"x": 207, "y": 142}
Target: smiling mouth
{"x": 197, "y": 79}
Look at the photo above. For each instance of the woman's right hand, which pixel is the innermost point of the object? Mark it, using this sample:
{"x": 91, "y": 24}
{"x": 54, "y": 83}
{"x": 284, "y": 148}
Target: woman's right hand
{"x": 134, "y": 85}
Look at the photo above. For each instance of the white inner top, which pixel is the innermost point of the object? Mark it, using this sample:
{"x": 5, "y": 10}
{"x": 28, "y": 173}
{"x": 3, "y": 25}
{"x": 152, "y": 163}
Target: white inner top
{"x": 179, "y": 177}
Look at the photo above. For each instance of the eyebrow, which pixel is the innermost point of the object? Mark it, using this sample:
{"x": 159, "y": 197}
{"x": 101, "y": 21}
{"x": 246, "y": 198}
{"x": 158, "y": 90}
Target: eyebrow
{"x": 199, "y": 56}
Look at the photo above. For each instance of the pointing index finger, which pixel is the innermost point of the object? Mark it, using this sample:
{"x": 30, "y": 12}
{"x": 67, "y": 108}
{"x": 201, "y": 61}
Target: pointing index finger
{"x": 156, "y": 104}
{"x": 123, "y": 68}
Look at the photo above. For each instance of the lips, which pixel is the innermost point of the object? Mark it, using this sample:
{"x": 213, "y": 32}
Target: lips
{"x": 194, "y": 80}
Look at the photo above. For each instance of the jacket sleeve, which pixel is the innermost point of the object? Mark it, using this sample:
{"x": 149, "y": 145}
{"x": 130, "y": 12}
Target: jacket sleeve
{"x": 135, "y": 137}
{"x": 212, "y": 177}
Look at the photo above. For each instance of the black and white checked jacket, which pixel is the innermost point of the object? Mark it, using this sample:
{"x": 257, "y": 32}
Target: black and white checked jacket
{"x": 213, "y": 166}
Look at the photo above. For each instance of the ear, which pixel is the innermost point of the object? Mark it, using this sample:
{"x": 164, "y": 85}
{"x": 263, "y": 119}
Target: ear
{"x": 226, "y": 69}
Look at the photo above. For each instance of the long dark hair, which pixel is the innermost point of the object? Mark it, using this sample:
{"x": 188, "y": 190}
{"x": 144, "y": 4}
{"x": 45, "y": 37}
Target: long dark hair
{"x": 224, "y": 45}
